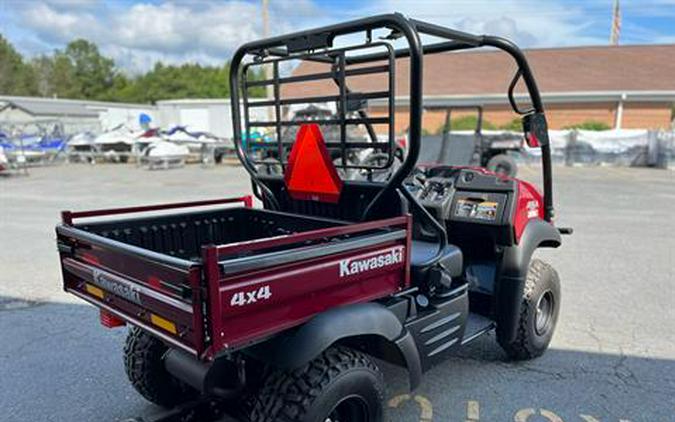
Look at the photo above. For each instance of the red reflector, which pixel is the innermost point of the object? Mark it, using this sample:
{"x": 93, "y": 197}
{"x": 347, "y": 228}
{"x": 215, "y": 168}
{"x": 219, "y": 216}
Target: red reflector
{"x": 310, "y": 174}
{"x": 109, "y": 320}
{"x": 154, "y": 282}
{"x": 532, "y": 140}
{"x": 90, "y": 258}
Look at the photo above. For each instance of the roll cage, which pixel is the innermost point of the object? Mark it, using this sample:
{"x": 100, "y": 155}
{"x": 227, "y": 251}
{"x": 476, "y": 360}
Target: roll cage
{"x": 376, "y": 56}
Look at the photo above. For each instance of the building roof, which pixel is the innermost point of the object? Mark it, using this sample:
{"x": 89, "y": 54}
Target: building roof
{"x": 56, "y": 107}
{"x": 10, "y": 105}
{"x": 195, "y": 101}
{"x": 581, "y": 71}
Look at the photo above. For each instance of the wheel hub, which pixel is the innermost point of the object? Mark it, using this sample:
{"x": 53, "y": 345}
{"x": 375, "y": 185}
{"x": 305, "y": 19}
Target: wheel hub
{"x": 349, "y": 409}
{"x": 544, "y": 313}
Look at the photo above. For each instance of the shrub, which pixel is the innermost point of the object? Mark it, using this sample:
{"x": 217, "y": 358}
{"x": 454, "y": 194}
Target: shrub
{"x": 589, "y": 125}
{"x": 515, "y": 125}
{"x": 466, "y": 123}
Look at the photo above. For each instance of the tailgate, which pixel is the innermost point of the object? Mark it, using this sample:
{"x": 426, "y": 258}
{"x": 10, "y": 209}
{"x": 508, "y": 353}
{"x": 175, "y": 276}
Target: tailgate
{"x": 156, "y": 292}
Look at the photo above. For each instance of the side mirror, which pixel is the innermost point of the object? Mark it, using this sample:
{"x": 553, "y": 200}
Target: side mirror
{"x": 535, "y": 129}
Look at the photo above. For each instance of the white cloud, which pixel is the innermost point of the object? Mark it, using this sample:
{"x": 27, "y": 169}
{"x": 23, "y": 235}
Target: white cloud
{"x": 53, "y": 24}
{"x": 173, "y": 28}
{"x": 138, "y": 34}
{"x": 72, "y": 4}
{"x": 530, "y": 23}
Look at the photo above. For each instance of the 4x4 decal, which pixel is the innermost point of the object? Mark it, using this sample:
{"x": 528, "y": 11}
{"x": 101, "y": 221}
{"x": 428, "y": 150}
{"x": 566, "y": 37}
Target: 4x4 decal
{"x": 252, "y": 296}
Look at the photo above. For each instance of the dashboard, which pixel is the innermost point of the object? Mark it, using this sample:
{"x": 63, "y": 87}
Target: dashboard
{"x": 466, "y": 198}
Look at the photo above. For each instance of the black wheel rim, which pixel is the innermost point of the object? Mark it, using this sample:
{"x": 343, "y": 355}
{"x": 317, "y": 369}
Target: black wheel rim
{"x": 349, "y": 409}
{"x": 544, "y": 313}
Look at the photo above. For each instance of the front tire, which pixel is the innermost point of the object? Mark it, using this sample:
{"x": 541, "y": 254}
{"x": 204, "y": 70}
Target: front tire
{"x": 538, "y": 313}
{"x": 340, "y": 385}
{"x": 144, "y": 364}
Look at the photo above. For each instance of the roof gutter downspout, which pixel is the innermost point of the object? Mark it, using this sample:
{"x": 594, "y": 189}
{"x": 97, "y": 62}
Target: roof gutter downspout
{"x": 619, "y": 112}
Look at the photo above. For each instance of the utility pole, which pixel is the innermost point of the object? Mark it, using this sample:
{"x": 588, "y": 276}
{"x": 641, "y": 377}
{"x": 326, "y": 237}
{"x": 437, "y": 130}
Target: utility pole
{"x": 615, "y": 31}
{"x": 267, "y": 67}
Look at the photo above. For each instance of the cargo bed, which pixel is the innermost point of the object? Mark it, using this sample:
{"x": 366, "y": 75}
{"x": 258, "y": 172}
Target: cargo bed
{"x": 226, "y": 277}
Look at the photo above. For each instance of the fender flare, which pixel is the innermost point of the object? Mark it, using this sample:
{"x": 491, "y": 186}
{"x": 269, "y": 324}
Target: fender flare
{"x": 295, "y": 348}
{"x": 537, "y": 234}
{"x": 514, "y": 267}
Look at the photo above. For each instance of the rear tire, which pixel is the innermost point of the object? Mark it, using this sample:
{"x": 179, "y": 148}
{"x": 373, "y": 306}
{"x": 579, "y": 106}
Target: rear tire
{"x": 538, "y": 313}
{"x": 144, "y": 364}
{"x": 340, "y": 385}
{"x": 503, "y": 164}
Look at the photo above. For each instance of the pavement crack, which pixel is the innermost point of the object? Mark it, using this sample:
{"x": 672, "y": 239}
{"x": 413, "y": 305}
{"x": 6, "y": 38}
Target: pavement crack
{"x": 623, "y": 372}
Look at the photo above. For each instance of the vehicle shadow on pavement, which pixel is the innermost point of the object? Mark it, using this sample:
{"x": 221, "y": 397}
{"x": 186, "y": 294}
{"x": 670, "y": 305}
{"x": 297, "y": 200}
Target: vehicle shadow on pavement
{"x": 61, "y": 365}
{"x": 478, "y": 382}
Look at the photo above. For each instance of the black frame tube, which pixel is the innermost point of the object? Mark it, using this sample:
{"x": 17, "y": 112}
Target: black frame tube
{"x": 410, "y": 29}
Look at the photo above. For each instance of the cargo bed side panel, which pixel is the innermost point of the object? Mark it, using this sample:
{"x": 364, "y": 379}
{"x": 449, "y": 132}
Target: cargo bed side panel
{"x": 275, "y": 296}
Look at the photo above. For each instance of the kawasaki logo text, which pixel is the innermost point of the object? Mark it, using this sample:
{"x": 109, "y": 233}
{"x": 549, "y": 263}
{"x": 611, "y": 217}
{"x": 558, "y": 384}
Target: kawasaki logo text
{"x": 118, "y": 286}
{"x": 356, "y": 266}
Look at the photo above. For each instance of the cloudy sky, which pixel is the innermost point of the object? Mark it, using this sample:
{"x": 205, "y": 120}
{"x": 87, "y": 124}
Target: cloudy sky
{"x": 136, "y": 33}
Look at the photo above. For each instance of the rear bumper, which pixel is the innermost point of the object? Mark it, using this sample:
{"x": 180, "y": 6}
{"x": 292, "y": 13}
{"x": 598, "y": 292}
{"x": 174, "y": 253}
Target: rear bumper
{"x": 133, "y": 321}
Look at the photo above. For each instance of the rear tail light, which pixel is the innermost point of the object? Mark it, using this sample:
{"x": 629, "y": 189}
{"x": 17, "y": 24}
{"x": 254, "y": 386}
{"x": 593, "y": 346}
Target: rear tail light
{"x": 109, "y": 320}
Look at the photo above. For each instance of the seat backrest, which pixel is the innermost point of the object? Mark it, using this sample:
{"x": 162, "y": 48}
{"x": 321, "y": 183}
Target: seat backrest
{"x": 458, "y": 151}
{"x": 354, "y": 198}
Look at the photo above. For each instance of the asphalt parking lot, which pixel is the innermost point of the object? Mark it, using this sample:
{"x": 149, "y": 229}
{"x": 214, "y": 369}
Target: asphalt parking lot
{"x": 612, "y": 358}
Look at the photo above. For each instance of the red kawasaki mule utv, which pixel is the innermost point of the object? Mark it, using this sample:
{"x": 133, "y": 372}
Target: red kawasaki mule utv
{"x": 282, "y": 309}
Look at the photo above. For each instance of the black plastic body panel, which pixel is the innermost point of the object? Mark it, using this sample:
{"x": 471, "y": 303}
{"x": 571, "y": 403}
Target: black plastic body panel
{"x": 476, "y": 187}
{"x": 294, "y": 348}
{"x": 514, "y": 266}
{"x": 438, "y": 328}
{"x": 355, "y": 197}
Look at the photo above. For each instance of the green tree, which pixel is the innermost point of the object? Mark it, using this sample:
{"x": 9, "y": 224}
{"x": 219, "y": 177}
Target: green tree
{"x": 55, "y": 76}
{"x": 122, "y": 89}
{"x": 80, "y": 71}
{"x": 43, "y": 67}
{"x": 65, "y": 83}
{"x": 16, "y": 77}
{"x": 93, "y": 72}
{"x": 185, "y": 81}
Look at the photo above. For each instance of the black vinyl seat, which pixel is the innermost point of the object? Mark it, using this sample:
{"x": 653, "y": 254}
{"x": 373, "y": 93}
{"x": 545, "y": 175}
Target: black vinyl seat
{"x": 422, "y": 255}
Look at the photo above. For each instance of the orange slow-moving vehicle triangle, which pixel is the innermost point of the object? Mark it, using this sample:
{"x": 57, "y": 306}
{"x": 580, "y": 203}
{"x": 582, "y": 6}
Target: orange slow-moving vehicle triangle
{"x": 310, "y": 174}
